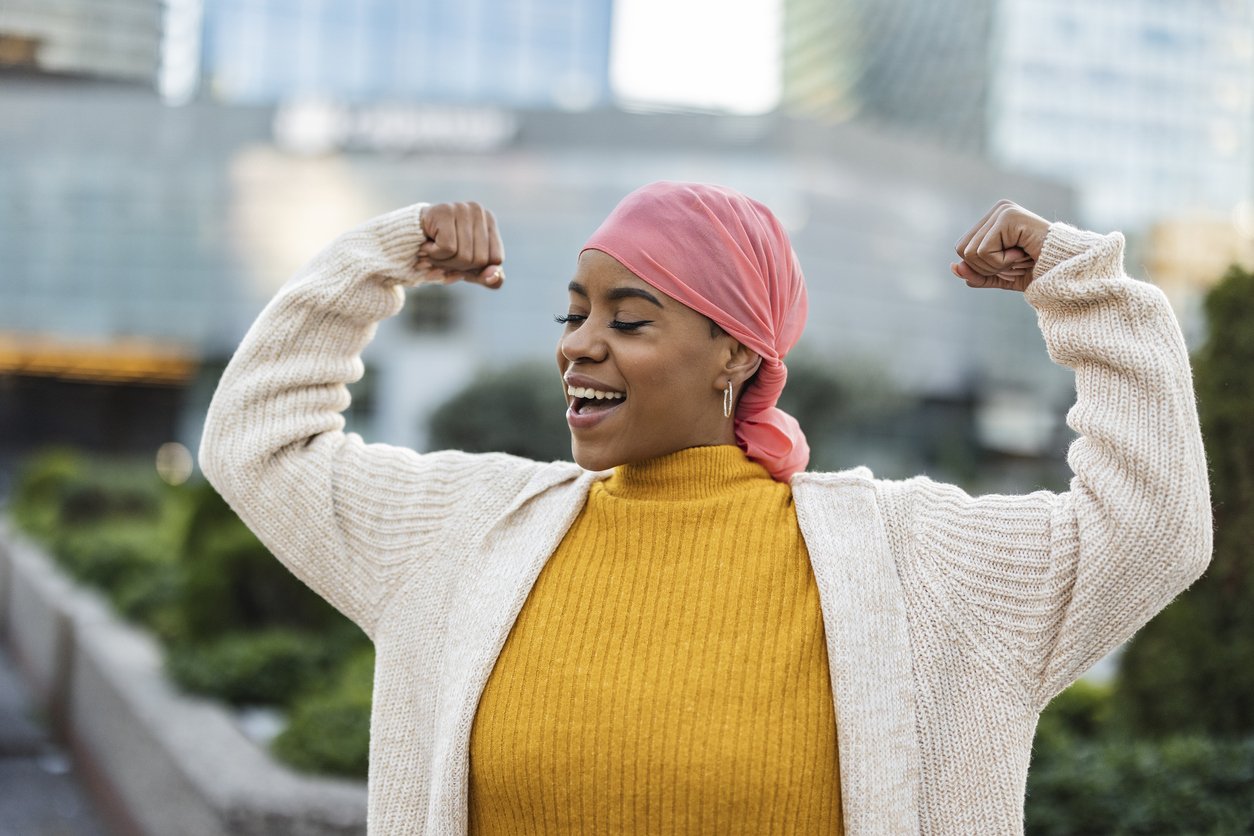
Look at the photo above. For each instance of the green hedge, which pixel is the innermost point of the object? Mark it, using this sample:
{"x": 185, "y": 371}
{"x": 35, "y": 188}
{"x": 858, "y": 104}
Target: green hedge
{"x": 237, "y": 625}
{"x": 330, "y": 731}
{"x": 62, "y": 489}
{"x": 1088, "y": 776}
{"x": 1187, "y": 785}
{"x": 272, "y": 666}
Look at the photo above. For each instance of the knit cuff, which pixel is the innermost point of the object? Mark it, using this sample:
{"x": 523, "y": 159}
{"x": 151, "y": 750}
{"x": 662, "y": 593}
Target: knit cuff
{"x": 1077, "y": 268}
{"x": 1062, "y": 242}
{"x": 397, "y": 235}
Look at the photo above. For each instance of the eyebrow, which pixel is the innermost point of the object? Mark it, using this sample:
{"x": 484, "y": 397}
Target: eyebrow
{"x": 618, "y": 293}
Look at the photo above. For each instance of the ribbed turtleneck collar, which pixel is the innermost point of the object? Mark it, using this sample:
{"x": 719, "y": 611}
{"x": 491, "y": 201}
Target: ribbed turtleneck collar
{"x": 688, "y": 474}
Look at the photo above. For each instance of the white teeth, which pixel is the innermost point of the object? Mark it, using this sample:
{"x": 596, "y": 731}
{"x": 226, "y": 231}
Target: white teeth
{"x": 580, "y": 392}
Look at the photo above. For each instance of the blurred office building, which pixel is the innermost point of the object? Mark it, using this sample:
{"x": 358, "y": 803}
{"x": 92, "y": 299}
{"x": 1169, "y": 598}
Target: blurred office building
{"x": 541, "y": 53}
{"x": 918, "y": 69}
{"x": 1146, "y": 107}
{"x": 137, "y": 254}
{"x": 115, "y": 39}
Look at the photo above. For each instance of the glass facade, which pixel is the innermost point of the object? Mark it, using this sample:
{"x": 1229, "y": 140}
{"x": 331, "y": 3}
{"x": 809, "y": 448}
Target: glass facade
{"x": 115, "y": 39}
{"x": 157, "y": 236}
{"x": 1145, "y": 106}
{"x": 907, "y": 67}
{"x": 525, "y": 53}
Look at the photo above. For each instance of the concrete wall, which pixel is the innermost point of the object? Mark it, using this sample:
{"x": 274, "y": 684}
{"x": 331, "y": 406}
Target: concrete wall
{"x": 162, "y": 761}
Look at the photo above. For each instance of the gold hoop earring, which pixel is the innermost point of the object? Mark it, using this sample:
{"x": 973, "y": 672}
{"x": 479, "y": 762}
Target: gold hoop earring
{"x": 727, "y": 401}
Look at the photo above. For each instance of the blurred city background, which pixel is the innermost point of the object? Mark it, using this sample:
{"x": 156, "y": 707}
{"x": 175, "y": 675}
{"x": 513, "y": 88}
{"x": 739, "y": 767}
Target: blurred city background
{"x": 165, "y": 165}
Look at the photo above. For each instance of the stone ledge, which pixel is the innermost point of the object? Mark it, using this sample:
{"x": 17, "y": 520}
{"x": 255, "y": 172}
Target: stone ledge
{"x": 172, "y": 763}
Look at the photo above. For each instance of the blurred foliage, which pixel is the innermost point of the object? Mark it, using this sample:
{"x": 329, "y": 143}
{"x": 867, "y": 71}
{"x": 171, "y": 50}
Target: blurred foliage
{"x": 1191, "y": 669}
{"x": 519, "y": 410}
{"x": 1089, "y": 777}
{"x": 237, "y": 624}
{"x": 329, "y": 731}
{"x": 110, "y": 523}
{"x": 1147, "y": 788}
{"x": 273, "y": 666}
{"x": 1080, "y": 713}
{"x": 61, "y": 487}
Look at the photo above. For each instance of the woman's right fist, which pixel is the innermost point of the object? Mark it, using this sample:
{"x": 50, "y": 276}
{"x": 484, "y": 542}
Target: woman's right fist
{"x": 462, "y": 244}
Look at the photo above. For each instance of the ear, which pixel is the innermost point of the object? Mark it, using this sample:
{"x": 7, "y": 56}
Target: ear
{"x": 741, "y": 363}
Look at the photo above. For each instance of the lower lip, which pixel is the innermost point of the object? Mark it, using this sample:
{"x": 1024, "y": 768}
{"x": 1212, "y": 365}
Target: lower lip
{"x": 589, "y": 419}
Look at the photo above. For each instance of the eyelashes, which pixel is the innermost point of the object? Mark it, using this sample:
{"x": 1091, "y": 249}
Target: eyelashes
{"x": 615, "y": 324}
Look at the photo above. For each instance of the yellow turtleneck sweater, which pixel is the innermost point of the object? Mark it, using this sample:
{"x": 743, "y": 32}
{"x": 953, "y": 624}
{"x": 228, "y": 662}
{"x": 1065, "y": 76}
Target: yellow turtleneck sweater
{"x": 668, "y": 672}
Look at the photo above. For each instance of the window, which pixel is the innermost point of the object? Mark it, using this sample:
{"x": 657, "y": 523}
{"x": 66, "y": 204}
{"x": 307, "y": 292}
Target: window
{"x": 431, "y": 309}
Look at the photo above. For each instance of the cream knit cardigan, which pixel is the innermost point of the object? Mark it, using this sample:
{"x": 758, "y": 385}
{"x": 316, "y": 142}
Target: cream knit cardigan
{"x": 950, "y": 620}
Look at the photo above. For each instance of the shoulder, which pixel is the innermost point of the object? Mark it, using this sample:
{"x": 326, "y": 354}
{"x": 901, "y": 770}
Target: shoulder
{"x": 475, "y": 483}
{"x": 825, "y": 482}
{"x": 502, "y": 472}
{"x": 916, "y": 502}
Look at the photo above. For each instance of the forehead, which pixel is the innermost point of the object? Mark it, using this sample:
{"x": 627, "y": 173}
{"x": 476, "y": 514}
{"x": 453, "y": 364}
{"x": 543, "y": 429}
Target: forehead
{"x": 598, "y": 272}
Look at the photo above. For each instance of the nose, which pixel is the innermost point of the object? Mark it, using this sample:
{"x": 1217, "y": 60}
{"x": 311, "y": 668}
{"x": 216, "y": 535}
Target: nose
{"x": 582, "y": 344}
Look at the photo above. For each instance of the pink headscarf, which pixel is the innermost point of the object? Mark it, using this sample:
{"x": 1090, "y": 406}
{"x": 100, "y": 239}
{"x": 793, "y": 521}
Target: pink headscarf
{"x": 726, "y": 256}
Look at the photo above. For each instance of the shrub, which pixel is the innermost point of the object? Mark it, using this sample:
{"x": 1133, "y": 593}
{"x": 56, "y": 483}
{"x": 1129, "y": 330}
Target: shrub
{"x": 60, "y": 488}
{"x": 1179, "y": 785}
{"x": 108, "y": 555}
{"x": 330, "y": 732}
{"x": 110, "y": 524}
{"x": 39, "y": 489}
{"x": 519, "y": 410}
{"x": 152, "y": 598}
{"x": 271, "y": 666}
{"x": 238, "y": 625}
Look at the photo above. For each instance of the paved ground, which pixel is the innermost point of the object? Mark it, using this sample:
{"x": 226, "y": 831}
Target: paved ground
{"x": 39, "y": 791}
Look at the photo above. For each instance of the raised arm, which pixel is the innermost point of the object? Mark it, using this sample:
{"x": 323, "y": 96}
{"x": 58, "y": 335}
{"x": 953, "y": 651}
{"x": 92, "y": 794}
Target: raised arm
{"x": 1049, "y": 583}
{"x": 349, "y": 519}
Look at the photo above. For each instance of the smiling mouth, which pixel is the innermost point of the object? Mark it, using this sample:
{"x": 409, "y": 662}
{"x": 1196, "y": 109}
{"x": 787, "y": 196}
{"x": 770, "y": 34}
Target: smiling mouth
{"x": 585, "y": 400}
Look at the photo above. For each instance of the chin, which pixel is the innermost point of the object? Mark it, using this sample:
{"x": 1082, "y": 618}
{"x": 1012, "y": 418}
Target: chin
{"x": 593, "y": 459}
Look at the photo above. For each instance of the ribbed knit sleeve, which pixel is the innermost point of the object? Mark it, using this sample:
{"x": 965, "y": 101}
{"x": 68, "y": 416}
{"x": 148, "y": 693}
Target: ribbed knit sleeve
{"x": 352, "y": 520}
{"x": 1044, "y": 585}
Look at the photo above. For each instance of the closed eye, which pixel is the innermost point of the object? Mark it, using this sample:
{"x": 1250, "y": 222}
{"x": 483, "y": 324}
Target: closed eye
{"x": 617, "y": 324}
{"x": 628, "y": 326}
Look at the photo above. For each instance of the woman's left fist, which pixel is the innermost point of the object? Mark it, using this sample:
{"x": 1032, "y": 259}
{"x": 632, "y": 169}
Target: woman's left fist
{"x": 1002, "y": 248}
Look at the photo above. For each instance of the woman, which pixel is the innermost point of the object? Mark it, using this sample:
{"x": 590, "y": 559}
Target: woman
{"x": 685, "y": 632}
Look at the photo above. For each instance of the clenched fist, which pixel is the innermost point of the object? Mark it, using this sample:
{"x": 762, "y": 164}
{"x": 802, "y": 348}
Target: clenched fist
{"x": 1002, "y": 248}
{"x": 462, "y": 244}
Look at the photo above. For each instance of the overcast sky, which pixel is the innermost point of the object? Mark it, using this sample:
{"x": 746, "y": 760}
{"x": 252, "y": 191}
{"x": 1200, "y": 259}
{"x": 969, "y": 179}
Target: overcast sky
{"x": 702, "y": 53}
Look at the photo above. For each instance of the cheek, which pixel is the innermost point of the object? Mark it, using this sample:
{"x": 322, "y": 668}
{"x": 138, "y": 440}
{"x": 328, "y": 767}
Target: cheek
{"x": 674, "y": 379}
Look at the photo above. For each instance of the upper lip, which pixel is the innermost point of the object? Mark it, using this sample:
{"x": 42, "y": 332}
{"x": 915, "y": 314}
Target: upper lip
{"x": 583, "y": 382}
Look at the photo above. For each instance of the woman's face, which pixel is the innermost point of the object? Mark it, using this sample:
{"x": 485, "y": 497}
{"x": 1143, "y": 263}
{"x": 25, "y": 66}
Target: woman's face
{"x": 654, "y": 358}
